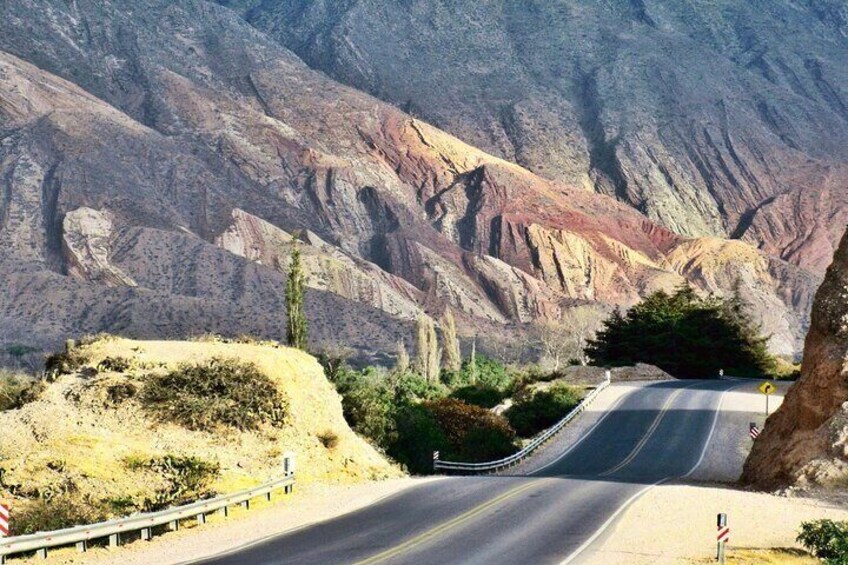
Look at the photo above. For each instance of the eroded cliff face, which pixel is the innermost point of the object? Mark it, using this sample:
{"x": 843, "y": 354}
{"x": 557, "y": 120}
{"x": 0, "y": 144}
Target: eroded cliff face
{"x": 156, "y": 157}
{"x": 806, "y": 440}
{"x": 725, "y": 119}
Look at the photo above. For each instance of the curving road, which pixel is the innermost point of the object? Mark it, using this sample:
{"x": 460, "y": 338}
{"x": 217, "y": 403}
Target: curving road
{"x": 656, "y": 433}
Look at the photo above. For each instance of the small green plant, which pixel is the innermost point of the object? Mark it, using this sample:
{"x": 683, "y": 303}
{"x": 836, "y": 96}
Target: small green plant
{"x": 826, "y": 539}
{"x": 536, "y": 411}
{"x": 57, "y": 513}
{"x": 188, "y": 479}
{"x": 328, "y": 439}
{"x": 114, "y": 364}
{"x": 219, "y": 392}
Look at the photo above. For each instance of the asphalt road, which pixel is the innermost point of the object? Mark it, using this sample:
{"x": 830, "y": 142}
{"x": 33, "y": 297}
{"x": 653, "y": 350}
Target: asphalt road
{"x": 656, "y": 433}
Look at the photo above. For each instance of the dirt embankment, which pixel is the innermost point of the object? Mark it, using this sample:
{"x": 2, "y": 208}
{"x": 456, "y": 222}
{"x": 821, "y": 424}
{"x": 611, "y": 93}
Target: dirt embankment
{"x": 89, "y": 437}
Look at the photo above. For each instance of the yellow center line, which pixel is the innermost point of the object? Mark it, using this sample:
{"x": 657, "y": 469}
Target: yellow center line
{"x": 450, "y": 524}
{"x": 656, "y": 424}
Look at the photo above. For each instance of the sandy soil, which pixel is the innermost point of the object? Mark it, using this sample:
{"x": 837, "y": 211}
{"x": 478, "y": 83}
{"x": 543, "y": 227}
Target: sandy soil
{"x": 308, "y": 505}
{"x": 675, "y": 523}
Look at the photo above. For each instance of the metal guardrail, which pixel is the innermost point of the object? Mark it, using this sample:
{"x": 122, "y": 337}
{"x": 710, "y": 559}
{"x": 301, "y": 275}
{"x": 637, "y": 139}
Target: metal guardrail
{"x": 144, "y": 523}
{"x": 489, "y": 466}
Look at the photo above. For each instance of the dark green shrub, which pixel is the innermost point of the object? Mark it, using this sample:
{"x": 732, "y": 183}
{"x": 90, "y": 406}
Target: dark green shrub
{"x": 533, "y": 412}
{"x": 686, "y": 336}
{"x": 218, "y": 392}
{"x": 418, "y": 436}
{"x": 188, "y": 479}
{"x": 64, "y": 363}
{"x": 479, "y": 395}
{"x": 114, "y": 364}
{"x": 472, "y": 433}
{"x": 54, "y": 514}
{"x": 826, "y": 539}
{"x": 119, "y": 393}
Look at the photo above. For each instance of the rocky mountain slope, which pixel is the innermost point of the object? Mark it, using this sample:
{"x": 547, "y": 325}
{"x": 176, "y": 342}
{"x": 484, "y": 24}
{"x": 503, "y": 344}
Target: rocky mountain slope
{"x": 157, "y": 157}
{"x": 719, "y": 118}
{"x": 806, "y": 440}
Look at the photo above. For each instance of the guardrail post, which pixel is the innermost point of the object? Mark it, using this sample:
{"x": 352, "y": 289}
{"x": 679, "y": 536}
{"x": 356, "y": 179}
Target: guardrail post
{"x": 288, "y": 469}
{"x": 82, "y": 546}
{"x": 224, "y": 511}
{"x": 174, "y": 525}
{"x": 201, "y": 519}
{"x": 268, "y": 496}
{"x": 115, "y": 540}
{"x": 146, "y": 534}
{"x": 42, "y": 553}
{"x": 246, "y": 504}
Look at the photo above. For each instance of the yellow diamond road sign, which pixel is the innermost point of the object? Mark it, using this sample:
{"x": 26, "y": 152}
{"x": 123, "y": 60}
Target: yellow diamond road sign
{"x": 767, "y": 388}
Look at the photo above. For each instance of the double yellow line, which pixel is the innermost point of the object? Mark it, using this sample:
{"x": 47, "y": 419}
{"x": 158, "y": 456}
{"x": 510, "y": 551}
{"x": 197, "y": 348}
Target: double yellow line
{"x": 650, "y": 432}
{"x": 445, "y": 526}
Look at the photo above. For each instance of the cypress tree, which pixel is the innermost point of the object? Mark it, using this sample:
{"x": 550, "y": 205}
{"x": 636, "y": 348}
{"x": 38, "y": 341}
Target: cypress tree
{"x": 295, "y": 288}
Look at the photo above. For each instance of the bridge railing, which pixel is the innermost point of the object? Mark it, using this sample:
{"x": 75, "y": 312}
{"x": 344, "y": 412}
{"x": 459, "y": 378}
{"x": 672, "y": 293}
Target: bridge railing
{"x": 538, "y": 441}
{"x": 144, "y": 523}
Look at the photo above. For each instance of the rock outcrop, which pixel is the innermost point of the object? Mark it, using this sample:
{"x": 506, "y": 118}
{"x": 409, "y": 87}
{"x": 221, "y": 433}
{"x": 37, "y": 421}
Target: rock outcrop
{"x": 806, "y": 440}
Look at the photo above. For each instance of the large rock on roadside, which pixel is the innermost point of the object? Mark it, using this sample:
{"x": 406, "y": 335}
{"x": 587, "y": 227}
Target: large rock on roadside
{"x": 806, "y": 440}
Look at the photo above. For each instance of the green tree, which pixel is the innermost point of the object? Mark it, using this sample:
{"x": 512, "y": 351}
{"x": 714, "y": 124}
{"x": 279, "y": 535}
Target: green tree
{"x": 427, "y": 355}
{"x": 297, "y": 328}
{"x": 685, "y": 335}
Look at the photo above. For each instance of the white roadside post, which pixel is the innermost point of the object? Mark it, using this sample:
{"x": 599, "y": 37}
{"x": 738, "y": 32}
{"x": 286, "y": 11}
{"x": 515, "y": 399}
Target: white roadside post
{"x": 288, "y": 469}
{"x": 723, "y": 537}
{"x": 435, "y": 459}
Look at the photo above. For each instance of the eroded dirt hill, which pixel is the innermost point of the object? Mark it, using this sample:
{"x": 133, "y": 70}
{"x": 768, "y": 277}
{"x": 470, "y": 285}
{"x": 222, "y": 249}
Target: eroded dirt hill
{"x": 157, "y": 157}
{"x": 806, "y": 441}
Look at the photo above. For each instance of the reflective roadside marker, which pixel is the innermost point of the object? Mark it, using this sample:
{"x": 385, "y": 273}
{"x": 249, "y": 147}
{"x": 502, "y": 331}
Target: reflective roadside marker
{"x": 4, "y": 520}
{"x": 753, "y": 430}
{"x": 723, "y": 537}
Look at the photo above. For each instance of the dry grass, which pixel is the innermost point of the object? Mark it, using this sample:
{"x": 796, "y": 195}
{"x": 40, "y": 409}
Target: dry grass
{"x": 776, "y": 556}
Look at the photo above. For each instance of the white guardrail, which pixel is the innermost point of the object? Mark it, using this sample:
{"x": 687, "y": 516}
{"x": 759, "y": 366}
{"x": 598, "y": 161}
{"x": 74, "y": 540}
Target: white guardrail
{"x": 144, "y": 523}
{"x": 490, "y": 466}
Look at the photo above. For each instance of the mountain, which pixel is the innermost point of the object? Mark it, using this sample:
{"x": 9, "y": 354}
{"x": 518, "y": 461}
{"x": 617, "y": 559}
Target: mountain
{"x": 805, "y": 442}
{"x": 724, "y": 119}
{"x": 158, "y": 158}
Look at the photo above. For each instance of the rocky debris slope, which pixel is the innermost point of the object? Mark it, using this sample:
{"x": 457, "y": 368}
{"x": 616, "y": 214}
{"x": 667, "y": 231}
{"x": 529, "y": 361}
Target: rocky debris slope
{"x": 806, "y": 440}
{"x": 156, "y": 158}
{"x": 81, "y": 437}
{"x": 726, "y": 119}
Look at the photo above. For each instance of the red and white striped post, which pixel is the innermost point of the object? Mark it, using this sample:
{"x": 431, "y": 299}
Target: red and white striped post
{"x": 723, "y": 537}
{"x": 5, "y": 515}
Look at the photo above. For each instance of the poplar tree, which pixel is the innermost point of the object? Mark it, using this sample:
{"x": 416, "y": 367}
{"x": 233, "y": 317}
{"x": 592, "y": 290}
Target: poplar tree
{"x": 450, "y": 343}
{"x": 402, "y": 365}
{"x": 295, "y": 286}
{"x": 427, "y": 354}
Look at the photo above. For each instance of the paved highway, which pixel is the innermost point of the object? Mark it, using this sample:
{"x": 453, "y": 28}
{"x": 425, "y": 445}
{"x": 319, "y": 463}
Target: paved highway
{"x": 655, "y": 433}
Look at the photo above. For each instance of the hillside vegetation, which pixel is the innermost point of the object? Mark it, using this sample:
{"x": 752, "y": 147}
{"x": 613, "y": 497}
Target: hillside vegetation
{"x": 105, "y": 437}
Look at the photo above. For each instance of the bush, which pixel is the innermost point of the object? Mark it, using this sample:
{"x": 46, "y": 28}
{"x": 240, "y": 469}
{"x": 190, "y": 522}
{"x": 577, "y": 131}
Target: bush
{"x": 188, "y": 479}
{"x": 536, "y": 411}
{"x": 64, "y": 363}
{"x": 218, "y": 392}
{"x": 54, "y": 514}
{"x": 18, "y": 390}
{"x": 418, "y": 436}
{"x": 686, "y": 336}
{"x": 328, "y": 439}
{"x": 479, "y": 395}
{"x": 114, "y": 364}
{"x": 119, "y": 393}
{"x": 472, "y": 433}
{"x": 826, "y": 539}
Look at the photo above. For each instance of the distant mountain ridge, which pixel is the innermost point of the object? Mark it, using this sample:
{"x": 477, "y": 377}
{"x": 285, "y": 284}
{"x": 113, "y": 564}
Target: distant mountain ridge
{"x": 156, "y": 158}
{"x": 722, "y": 118}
